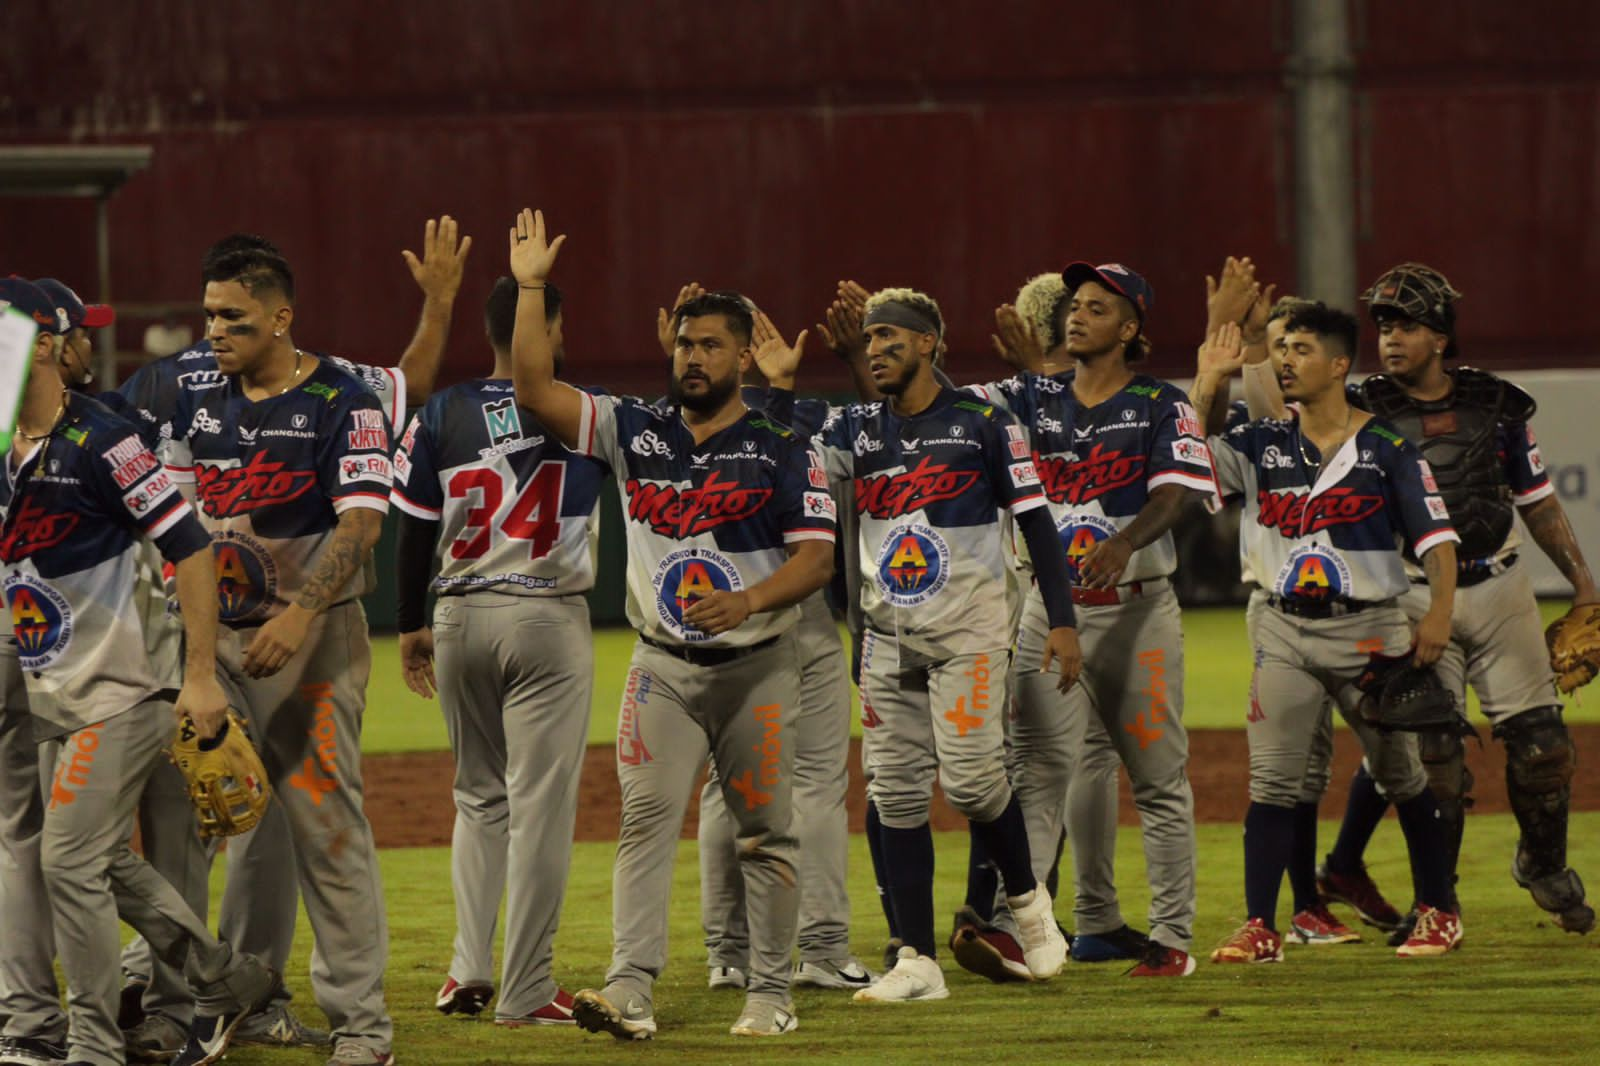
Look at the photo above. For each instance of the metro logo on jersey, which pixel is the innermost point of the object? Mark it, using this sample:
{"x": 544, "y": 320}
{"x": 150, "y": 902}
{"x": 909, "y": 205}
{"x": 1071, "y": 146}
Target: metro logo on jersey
{"x": 896, "y": 495}
{"x": 228, "y": 491}
{"x": 1090, "y": 478}
{"x": 130, "y": 460}
{"x": 1295, "y": 515}
{"x": 367, "y": 432}
{"x": 35, "y": 529}
{"x": 674, "y": 513}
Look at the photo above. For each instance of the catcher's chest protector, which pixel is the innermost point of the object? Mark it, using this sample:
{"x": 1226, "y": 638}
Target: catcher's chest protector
{"x": 1458, "y": 436}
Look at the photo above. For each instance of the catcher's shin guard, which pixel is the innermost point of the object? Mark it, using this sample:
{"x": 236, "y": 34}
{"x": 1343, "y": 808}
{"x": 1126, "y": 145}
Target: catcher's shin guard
{"x": 1444, "y": 758}
{"x": 1540, "y": 762}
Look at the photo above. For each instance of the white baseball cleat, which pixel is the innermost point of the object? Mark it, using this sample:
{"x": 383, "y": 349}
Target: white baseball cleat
{"x": 1044, "y": 949}
{"x": 844, "y": 973}
{"x": 914, "y": 977}
{"x": 765, "y": 1017}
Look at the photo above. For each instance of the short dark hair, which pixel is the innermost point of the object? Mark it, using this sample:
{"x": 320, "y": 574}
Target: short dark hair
{"x": 1328, "y": 323}
{"x": 733, "y": 306}
{"x": 236, "y": 242}
{"x": 255, "y": 269}
{"x": 500, "y": 312}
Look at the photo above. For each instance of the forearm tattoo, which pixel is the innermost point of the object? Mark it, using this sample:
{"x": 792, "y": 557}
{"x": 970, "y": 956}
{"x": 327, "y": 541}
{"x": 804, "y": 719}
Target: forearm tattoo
{"x": 340, "y": 559}
{"x": 1548, "y": 525}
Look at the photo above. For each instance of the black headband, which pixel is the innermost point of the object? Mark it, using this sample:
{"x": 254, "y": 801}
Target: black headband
{"x": 894, "y": 313}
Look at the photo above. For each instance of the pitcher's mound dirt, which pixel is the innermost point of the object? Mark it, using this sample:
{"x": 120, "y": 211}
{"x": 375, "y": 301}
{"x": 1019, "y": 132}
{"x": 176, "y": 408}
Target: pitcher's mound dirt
{"x": 409, "y": 802}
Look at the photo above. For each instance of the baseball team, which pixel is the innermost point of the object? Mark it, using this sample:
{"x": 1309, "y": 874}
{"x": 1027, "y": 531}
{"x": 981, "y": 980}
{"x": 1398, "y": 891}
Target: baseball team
{"x": 1002, "y": 553}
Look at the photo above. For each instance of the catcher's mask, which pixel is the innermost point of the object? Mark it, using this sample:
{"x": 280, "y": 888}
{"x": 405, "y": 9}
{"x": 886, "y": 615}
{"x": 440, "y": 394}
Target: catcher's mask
{"x": 1419, "y": 293}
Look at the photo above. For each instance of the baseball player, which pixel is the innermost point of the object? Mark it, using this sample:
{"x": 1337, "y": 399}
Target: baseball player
{"x": 1473, "y": 428}
{"x": 932, "y": 471}
{"x": 509, "y": 513}
{"x": 259, "y": 908}
{"x": 1120, "y": 455}
{"x": 80, "y": 490}
{"x": 1326, "y": 498}
{"x": 726, "y": 533}
{"x": 292, "y": 476}
{"x": 821, "y": 731}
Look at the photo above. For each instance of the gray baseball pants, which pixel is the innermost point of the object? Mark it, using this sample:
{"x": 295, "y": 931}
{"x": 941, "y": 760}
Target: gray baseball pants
{"x": 1319, "y": 763}
{"x": 306, "y": 722}
{"x": 821, "y": 733}
{"x": 93, "y": 877}
{"x": 1128, "y": 708}
{"x": 674, "y": 715}
{"x": 1300, "y": 663}
{"x": 516, "y": 674}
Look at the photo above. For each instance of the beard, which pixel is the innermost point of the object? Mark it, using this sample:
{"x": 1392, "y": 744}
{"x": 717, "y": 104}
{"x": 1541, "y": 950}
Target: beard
{"x": 715, "y": 395}
{"x": 901, "y": 381}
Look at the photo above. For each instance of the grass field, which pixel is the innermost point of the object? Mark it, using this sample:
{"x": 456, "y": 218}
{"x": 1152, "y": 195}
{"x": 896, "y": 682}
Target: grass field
{"x": 1519, "y": 991}
{"x": 1217, "y": 664}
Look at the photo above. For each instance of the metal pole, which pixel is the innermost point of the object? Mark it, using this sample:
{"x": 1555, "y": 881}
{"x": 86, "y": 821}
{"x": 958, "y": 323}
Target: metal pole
{"x": 106, "y": 373}
{"x": 1319, "y": 71}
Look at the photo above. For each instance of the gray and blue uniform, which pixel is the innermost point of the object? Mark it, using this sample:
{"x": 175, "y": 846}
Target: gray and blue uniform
{"x": 513, "y": 515}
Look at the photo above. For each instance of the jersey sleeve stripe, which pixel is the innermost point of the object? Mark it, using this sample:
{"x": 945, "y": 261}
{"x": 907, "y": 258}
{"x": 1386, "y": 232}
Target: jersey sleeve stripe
{"x": 1434, "y": 539}
{"x": 398, "y": 414}
{"x": 794, "y": 535}
{"x": 586, "y": 420}
{"x": 172, "y": 518}
{"x": 184, "y": 474}
{"x": 1024, "y": 504}
{"x": 376, "y": 501}
{"x": 1184, "y": 478}
{"x": 1535, "y": 494}
{"x": 413, "y": 508}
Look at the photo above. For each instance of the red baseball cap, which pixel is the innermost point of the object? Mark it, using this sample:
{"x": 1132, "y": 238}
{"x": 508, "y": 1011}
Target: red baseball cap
{"x": 1116, "y": 277}
{"x": 88, "y": 316}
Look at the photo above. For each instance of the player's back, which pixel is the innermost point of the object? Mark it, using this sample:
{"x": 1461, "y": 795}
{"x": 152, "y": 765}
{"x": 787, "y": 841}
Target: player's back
{"x": 515, "y": 507}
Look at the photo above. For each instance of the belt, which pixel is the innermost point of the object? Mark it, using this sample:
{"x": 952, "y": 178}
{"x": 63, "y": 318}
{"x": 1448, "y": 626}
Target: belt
{"x": 1477, "y": 571}
{"x": 1133, "y": 590}
{"x": 1335, "y": 608}
{"x": 698, "y": 656}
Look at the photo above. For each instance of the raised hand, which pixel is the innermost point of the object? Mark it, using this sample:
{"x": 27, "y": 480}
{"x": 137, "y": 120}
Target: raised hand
{"x": 842, "y": 333}
{"x": 532, "y": 258}
{"x": 1228, "y": 300}
{"x": 1255, "y": 319}
{"x": 778, "y": 361}
{"x": 666, "y": 330}
{"x": 1223, "y": 351}
{"x": 438, "y": 272}
{"x": 1016, "y": 341}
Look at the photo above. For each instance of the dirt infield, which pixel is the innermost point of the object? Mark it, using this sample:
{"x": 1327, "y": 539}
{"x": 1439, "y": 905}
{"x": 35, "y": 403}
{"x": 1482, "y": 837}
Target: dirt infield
{"x": 408, "y": 796}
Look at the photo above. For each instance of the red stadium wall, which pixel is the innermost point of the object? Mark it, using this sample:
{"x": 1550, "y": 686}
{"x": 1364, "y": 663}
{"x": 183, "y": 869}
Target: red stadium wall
{"x": 957, "y": 146}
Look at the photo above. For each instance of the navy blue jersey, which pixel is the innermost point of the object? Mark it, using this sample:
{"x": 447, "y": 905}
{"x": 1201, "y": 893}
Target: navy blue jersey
{"x": 150, "y": 397}
{"x": 929, "y": 492}
{"x": 77, "y": 508}
{"x": 515, "y": 506}
{"x": 1334, "y": 527}
{"x": 704, "y": 517}
{"x": 1099, "y": 464}
{"x": 272, "y": 476}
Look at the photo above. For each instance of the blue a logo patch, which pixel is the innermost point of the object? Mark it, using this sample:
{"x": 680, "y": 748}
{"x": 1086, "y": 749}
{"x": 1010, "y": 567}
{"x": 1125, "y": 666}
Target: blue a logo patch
{"x": 1313, "y": 573}
{"x": 913, "y": 565}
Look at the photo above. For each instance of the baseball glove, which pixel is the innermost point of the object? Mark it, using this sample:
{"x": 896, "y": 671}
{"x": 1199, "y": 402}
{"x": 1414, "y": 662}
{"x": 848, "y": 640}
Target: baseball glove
{"x": 227, "y": 783}
{"x": 1574, "y": 643}
{"x": 1401, "y": 696}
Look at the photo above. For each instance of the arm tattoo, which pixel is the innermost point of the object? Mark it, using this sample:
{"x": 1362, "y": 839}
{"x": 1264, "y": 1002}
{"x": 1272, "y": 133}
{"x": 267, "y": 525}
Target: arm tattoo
{"x": 1159, "y": 514}
{"x": 1548, "y": 525}
{"x": 343, "y": 555}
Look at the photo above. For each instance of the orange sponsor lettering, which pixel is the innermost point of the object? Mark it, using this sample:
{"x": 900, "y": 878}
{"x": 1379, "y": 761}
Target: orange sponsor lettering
{"x": 318, "y": 775}
{"x": 73, "y": 765}
{"x": 630, "y": 743}
{"x": 1146, "y": 725}
{"x": 978, "y": 699}
{"x": 1370, "y": 646}
{"x": 755, "y": 787}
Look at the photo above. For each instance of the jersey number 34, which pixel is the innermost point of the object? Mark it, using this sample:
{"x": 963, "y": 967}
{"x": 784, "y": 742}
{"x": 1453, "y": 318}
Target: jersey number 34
{"x": 534, "y": 514}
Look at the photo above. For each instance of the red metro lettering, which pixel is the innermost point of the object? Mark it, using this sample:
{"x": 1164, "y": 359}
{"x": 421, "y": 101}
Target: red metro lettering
{"x": 228, "y": 491}
{"x": 35, "y": 529}
{"x": 674, "y": 513}
{"x": 885, "y": 496}
{"x": 1294, "y": 515}
{"x": 1089, "y": 478}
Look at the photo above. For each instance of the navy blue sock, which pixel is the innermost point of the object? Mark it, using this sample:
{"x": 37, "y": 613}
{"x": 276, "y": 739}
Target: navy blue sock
{"x": 1052, "y": 882}
{"x": 1362, "y": 813}
{"x": 983, "y": 880}
{"x": 1303, "y": 860}
{"x": 1268, "y": 842}
{"x": 1005, "y": 841}
{"x": 908, "y": 861}
{"x": 1429, "y": 849}
{"x": 875, "y": 848}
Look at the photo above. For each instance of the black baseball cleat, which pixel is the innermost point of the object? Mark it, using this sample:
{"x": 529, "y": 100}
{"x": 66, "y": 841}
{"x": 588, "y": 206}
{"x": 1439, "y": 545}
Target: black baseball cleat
{"x": 1122, "y": 943}
{"x": 32, "y": 1051}
{"x": 211, "y": 1034}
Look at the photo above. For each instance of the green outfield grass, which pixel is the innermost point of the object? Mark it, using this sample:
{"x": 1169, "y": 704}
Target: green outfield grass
{"x": 1217, "y": 658}
{"x": 1519, "y": 991}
